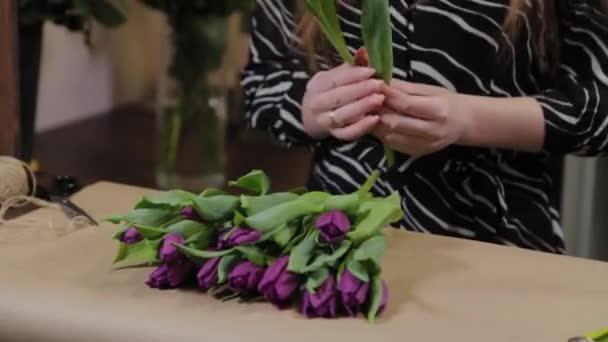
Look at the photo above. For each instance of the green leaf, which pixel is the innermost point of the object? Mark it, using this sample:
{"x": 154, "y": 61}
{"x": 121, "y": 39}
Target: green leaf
{"x": 256, "y": 204}
{"x": 301, "y": 254}
{"x": 317, "y": 197}
{"x": 173, "y": 198}
{"x": 212, "y": 193}
{"x": 345, "y": 203}
{"x": 316, "y": 279}
{"x": 279, "y": 215}
{"x": 202, "y": 240}
{"x": 358, "y": 269}
{"x": 378, "y": 40}
{"x": 270, "y": 234}
{"x": 150, "y": 217}
{"x": 225, "y": 266}
{"x": 378, "y": 36}
{"x": 299, "y": 190}
{"x": 148, "y": 232}
{"x": 142, "y": 253}
{"x": 341, "y": 269}
{"x": 375, "y": 215}
{"x": 296, "y": 240}
{"x": 114, "y": 219}
{"x": 376, "y": 298}
{"x": 285, "y": 235}
{"x": 253, "y": 254}
{"x": 217, "y": 208}
{"x": 328, "y": 259}
{"x": 145, "y": 203}
{"x": 326, "y": 15}
{"x": 373, "y": 251}
{"x": 199, "y": 254}
{"x": 186, "y": 228}
{"x": 103, "y": 11}
{"x": 255, "y": 182}
{"x": 239, "y": 219}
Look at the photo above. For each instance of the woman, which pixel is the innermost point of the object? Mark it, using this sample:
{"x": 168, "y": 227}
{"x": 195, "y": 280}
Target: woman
{"x": 485, "y": 91}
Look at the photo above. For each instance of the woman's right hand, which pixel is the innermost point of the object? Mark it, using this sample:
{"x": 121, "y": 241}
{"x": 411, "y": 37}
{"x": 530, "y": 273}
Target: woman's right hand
{"x": 337, "y": 102}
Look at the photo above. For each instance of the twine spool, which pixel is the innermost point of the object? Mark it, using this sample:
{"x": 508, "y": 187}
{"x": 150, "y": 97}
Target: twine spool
{"x": 15, "y": 177}
{"x": 17, "y": 188}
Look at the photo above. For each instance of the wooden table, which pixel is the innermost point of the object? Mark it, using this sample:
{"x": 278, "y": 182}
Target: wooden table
{"x": 62, "y": 289}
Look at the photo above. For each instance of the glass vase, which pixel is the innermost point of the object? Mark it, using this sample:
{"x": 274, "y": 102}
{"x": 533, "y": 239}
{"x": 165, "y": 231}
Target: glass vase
{"x": 191, "y": 152}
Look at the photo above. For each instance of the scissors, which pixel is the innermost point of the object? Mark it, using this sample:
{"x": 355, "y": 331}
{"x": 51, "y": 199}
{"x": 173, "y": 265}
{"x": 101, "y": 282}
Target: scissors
{"x": 61, "y": 189}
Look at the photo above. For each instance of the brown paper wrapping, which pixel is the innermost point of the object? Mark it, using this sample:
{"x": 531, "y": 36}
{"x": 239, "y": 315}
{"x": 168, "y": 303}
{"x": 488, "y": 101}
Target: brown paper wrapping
{"x": 64, "y": 289}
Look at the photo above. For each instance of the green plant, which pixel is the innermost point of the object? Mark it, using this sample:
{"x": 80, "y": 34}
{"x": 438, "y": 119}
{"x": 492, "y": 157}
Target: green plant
{"x": 200, "y": 41}
{"x": 75, "y": 15}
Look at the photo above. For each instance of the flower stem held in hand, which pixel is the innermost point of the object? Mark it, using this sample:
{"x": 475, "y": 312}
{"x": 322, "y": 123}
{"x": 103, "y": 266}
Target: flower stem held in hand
{"x": 377, "y": 35}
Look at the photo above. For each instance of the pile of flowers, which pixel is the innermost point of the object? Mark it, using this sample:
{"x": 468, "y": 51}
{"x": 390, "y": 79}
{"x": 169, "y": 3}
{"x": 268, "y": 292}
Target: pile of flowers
{"x": 322, "y": 253}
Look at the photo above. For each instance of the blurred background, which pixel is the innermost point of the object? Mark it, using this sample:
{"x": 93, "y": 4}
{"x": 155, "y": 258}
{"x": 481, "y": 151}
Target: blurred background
{"x": 108, "y": 103}
{"x": 112, "y": 98}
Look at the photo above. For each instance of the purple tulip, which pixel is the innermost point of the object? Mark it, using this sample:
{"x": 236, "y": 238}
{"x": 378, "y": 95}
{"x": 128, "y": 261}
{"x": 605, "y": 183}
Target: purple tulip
{"x": 170, "y": 275}
{"x": 323, "y": 302}
{"x": 168, "y": 251}
{"x": 131, "y": 236}
{"x": 188, "y": 213}
{"x": 207, "y": 275}
{"x": 333, "y": 226}
{"x": 279, "y": 285}
{"x": 239, "y": 237}
{"x": 245, "y": 277}
{"x": 353, "y": 292}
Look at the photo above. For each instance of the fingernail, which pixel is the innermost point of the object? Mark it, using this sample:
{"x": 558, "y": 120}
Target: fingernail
{"x": 378, "y": 98}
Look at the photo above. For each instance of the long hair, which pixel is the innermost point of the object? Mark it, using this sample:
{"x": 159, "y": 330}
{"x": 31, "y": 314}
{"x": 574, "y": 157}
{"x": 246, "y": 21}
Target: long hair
{"x": 543, "y": 16}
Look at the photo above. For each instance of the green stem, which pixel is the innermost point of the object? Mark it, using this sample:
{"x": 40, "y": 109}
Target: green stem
{"x": 174, "y": 134}
{"x": 390, "y": 156}
{"x": 369, "y": 183}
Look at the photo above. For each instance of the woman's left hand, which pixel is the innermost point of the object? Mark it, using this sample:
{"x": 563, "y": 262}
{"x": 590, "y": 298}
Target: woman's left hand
{"x": 420, "y": 119}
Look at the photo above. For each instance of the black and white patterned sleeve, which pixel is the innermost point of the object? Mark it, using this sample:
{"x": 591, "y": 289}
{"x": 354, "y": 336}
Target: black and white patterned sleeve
{"x": 275, "y": 78}
{"x": 576, "y": 110}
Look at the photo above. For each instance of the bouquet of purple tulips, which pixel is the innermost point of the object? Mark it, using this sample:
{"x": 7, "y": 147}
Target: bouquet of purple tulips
{"x": 318, "y": 251}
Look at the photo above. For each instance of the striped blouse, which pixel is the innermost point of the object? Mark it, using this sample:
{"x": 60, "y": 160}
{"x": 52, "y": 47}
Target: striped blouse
{"x": 491, "y": 195}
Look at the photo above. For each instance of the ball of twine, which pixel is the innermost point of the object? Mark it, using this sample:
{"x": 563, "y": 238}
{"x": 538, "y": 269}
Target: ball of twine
{"x": 17, "y": 188}
{"x": 15, "y": 177}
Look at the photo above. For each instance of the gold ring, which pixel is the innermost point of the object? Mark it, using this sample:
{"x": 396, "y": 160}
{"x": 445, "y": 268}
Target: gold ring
{"x": 334, "y": 120}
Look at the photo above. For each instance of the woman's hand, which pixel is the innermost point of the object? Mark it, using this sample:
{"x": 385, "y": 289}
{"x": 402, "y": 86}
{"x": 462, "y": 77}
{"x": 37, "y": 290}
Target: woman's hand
{"x": 420, "y": 119}
{"x": 337, "y": 103}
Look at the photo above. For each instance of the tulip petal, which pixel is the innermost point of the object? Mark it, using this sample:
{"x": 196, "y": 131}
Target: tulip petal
{"x": 272, "y": 273}
{"x": 168, "y": 250}
{"x": 207, "y": 276}
{"x": 131, "y": 236}
{"x": 286, "y": 285}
